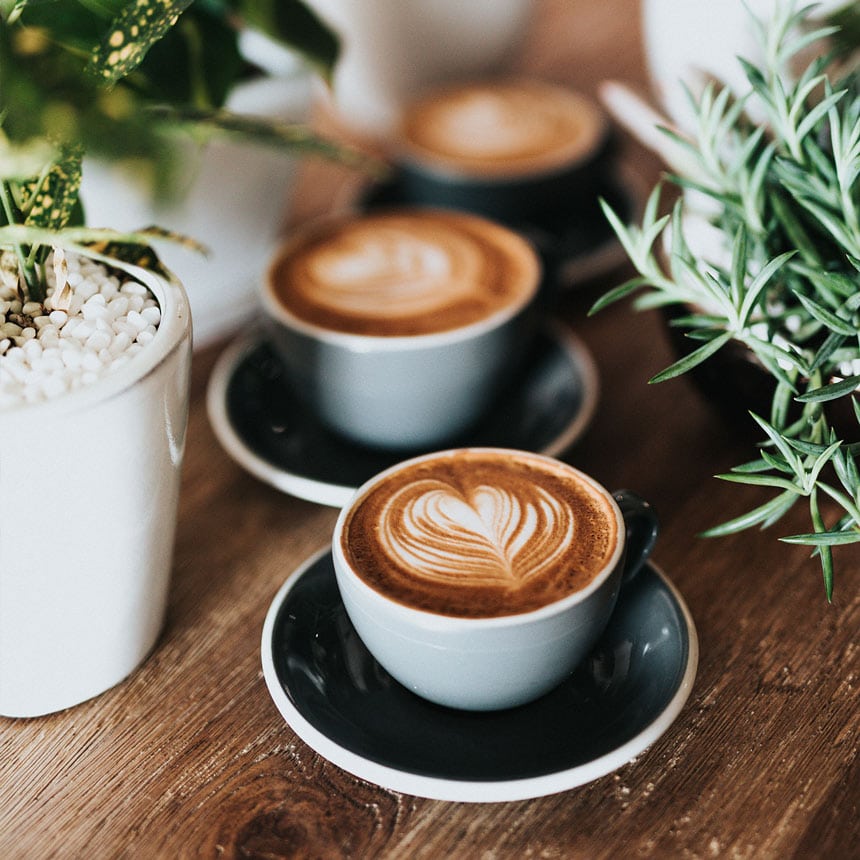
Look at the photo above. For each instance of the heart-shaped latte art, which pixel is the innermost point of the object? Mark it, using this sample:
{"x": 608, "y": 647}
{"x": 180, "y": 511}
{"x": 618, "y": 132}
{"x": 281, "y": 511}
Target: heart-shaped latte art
{"x": 486, "y": 536}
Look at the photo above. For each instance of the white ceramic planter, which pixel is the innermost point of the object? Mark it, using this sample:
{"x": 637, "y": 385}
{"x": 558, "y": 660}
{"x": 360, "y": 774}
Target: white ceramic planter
{"x": 89, "y": 484}
{"x": 234, "y": 201}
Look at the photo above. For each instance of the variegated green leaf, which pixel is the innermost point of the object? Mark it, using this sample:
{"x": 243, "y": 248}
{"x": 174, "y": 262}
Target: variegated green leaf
{"x": 132, "y": 33}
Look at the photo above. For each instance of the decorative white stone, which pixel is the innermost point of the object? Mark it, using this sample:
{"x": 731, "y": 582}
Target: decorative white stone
{"x": 45, "y": 352}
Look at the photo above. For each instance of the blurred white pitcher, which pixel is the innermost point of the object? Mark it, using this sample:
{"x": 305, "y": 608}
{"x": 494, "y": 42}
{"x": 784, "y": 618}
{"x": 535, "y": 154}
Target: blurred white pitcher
{"x": 392, "y": 49}
{"x": 695, "y": 39}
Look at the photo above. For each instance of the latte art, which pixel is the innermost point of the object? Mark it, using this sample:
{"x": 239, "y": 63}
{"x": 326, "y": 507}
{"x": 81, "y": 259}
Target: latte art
{"x": 493, "y": 535}
{"x": 391, "y": 272}
{"x": 480, "y": 533}
{"x": 503, "y": 128}
{"x": 405, "y": 273}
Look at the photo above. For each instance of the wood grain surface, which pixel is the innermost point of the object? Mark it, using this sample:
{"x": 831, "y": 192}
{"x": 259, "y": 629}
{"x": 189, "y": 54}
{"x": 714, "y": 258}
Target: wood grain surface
{"x": 189, "y": 758}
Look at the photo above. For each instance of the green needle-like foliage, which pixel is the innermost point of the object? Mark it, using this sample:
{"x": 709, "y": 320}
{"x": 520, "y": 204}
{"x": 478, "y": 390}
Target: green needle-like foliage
{"x": 783, "y": 192}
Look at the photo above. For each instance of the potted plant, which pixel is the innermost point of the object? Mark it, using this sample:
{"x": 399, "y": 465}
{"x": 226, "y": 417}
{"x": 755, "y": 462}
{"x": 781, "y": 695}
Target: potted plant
{"x": 761, "y": 253}
{"x": 95, "y": 341}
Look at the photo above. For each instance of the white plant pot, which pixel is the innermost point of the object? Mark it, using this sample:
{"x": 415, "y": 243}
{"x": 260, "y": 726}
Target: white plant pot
{"x": 234, "y": 201}
{"x": 89, "y": 484}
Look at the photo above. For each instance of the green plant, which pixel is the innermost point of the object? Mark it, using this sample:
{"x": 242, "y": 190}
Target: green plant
{"x": 119, "y": 78}
{"x": 784, "y": 195}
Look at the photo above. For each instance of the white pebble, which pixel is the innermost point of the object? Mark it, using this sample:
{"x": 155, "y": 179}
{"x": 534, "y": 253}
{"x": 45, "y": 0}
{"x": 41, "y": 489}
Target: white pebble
{"x": 98, "y": 341}
{"x": 152, "y": 314}
{"x": 72, "y": 358}
{"x": 133, "y": 288}
{"x": 31, "y": 348}
{"x": 53, "y": 386}
{"x": 59, "y": 318}
{"x": 136, "y": 321}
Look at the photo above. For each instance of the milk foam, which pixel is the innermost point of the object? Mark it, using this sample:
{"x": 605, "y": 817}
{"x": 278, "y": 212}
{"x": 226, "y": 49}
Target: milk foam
{"x": 404, "y": 273}
{"x": 503, "y": 128}
{"x": 489, "y": 535}
{"x": 392, "y": 271}
{"x": 481, "y": 533}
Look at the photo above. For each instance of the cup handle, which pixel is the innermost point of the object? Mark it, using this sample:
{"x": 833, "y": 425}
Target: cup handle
{"x": 642, "y": 528}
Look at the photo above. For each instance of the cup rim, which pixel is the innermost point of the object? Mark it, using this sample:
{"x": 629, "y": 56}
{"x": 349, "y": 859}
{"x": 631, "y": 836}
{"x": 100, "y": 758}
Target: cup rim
{"x": 430, "y": 619}
{"x": 278, "y": 313}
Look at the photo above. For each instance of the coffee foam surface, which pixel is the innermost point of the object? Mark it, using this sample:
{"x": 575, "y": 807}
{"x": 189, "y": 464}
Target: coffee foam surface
{"x": 481, "y": 534}
{"x": 404, "y": 273}
{"x": 503, "y": 128}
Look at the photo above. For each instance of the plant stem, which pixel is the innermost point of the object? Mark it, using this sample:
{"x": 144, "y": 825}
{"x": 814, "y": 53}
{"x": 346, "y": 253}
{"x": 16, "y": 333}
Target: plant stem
{"x": 25, "y": 267}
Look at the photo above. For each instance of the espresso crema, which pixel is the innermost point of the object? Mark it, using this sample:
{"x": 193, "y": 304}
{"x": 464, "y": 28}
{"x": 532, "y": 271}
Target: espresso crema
{"x": 476, "y": 534}
{"x": 403, "y": 273}
{"x": 502, "y": 129}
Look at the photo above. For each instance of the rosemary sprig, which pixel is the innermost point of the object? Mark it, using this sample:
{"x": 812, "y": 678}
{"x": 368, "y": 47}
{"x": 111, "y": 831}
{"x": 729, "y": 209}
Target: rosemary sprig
{"x": 784, "y": 276}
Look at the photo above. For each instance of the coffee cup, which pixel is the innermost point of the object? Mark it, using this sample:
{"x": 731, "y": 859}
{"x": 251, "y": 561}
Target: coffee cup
{"x": 399, "y": 328}
{"x": 510, "y": 149}
{"x": 479, "y": 578}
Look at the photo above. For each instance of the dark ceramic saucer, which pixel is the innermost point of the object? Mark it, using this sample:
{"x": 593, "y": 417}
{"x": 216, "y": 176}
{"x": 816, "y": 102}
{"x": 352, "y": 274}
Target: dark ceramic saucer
{"x": 336, "y": 698}
{"x": 262, "y": 425}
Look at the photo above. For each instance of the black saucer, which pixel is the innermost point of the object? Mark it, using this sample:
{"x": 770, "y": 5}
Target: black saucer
{"x": 346, "y": 707}
{"x": 263, "y": 426}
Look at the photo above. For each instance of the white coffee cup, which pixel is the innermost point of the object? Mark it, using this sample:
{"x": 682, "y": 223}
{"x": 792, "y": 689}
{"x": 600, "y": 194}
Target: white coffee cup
{"x": 416, "y": 555}
{"x": 398, "y": 329}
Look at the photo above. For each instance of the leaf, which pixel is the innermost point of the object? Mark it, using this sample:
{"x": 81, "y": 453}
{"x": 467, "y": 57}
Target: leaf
{"x": 293, "y": 137}
{"x": 824, "y": 538}
{"x": 767, "y": 513}
{"x": 55, "y": 199}
{"x": 760, "y": 281}
{"x": 762, "y": 481}
{"x": 781, "y": 444}
{"x": 827, "y": 317}
{"x": 296, "y": 25}
{"x": 618, "y": 293}
{"x": 692, "y": 359}
{"x": 132, "y": 33}
{"x": 830, "y": 392}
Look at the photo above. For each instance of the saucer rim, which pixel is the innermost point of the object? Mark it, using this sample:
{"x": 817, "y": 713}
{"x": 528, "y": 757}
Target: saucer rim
{"x": 338, "y": 495}
{"x": 471, "y": 791}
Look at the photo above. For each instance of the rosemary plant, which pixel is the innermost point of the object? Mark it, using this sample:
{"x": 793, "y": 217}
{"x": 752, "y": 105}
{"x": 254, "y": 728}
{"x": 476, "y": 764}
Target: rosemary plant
{"x": 118, "y": 78}
{"x": 783, "y": 194}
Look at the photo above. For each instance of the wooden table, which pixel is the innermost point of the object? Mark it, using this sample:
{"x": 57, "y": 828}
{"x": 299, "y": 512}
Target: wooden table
{"x": 189, "y": 757}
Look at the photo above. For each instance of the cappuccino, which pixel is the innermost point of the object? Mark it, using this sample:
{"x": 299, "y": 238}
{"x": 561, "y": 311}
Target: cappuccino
{"x": 404, "y": 273}
{"x": 502, "y": 129}
{"x": 481, "y": 533}
{"x": 399, "y": 329}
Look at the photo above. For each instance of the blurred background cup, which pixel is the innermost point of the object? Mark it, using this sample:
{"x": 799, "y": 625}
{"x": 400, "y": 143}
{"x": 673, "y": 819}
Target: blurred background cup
{"x": 399, "y": 328}
{"x": 392, "y": 49}
{"x": 509, "y": 148}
